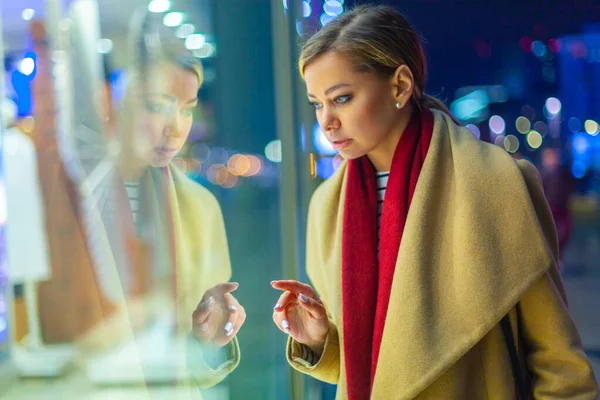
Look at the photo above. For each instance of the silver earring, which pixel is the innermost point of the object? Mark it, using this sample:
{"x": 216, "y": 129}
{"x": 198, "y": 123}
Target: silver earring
{"x": 398, "y": 106}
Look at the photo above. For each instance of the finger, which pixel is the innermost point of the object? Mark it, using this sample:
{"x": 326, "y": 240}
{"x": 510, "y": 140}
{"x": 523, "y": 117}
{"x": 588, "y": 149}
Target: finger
{"x": 231, "y": 303}
{"x": 285, "y": 300}
{"x": 295, "y": 287}
{"x": 232, "y": 306}
{"x": 314, "y": 307}
{"x": 223, "y": 288}
{"x": 241, "y": 318}
{"x": 223, "y": 338}
{"x": 203, "y": 310}
{"x": 281, "y": 321}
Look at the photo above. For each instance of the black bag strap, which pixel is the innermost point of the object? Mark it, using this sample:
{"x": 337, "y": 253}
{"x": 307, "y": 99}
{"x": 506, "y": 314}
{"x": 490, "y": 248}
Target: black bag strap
{"x": 518, "y": 375}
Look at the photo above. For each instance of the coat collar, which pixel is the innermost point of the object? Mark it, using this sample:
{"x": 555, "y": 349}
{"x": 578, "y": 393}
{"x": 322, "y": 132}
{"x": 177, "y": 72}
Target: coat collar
{"x": 472, "y": 246}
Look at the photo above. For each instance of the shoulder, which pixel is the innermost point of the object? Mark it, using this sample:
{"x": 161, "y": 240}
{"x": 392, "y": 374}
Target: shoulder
{"x": 329, "y": 191}
{"x": 476, "y": 156}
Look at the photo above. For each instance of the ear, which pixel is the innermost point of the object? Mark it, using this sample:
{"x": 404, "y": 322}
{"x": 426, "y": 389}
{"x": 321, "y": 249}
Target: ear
{"x": 402, "y": 85}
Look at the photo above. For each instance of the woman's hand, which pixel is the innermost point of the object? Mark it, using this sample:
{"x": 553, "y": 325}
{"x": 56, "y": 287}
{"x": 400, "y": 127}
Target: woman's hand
{"x": 301, "y": 314}
{"x": 219, "y": 316}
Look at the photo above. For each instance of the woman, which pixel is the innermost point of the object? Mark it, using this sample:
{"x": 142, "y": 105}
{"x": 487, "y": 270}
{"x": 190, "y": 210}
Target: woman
{"x": 166, "y": 232}
{"x": 413, "y": 291}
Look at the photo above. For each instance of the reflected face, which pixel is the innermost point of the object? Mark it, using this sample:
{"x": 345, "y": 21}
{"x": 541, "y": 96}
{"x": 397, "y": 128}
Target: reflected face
{"x": 356, "y": 111}
{"x": 165, "y": 119}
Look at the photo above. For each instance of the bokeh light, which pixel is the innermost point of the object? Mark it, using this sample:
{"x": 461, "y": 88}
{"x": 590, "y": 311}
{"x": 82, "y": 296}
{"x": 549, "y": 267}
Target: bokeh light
{"x": 273, "y": 151}
{"x": 534, "y": 139}
{"x": 474, "y": 129}
{"x": 497, "y": 124}
{"x": 511, "y": 143}
{"x": 591, "y": 127}
{"x": 159, "y": 6}
{"x": 553, "y": 105}
{"x": 523, "y": 125}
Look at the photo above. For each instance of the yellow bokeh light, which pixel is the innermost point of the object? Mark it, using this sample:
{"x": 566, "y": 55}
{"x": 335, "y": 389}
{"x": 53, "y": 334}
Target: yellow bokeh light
{"x": 591, "y": 127}
{"x": 255, "y": 166}
{"x": 523, "y": 125}
{"x": 511, "y": 143}
{"x": 534, "y": 139}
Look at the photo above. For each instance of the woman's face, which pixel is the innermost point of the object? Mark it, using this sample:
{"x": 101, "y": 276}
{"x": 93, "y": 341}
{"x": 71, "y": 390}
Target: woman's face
{"x": 165, "y": 118}
{"x": 356, "y": 111}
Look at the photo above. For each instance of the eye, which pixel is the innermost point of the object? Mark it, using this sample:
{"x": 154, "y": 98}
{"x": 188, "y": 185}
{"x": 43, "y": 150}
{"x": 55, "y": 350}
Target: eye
{"x": 187, "y": 112}
{"x": 343, "y": 99}
{"x": 156, "y": 108}
{"x": 317, "y": 106}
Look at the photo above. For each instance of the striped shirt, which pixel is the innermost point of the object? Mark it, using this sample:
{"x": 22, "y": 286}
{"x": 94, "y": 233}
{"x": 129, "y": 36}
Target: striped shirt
{"x": 133, "y": 194}
{"x": 381, "y": 182}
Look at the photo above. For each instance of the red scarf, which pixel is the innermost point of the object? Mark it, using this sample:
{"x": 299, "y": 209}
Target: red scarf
{"x": 367, "y": 281}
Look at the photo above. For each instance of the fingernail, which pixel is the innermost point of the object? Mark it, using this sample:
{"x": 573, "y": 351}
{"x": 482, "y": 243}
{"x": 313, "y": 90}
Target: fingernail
{"x": 235, "y": 283}
{"x": 228, "y": 326}
{"x": 277, "y": 306}
{"x": 229, "y": 332}
{"x": 286, "y": 326}
{"x": 233, "y": 308}
{"x": 303, "y": 298}
{"x": 204, "y": 327}
{"x": 272, "y": 282}
{"x": 210, "y": 301}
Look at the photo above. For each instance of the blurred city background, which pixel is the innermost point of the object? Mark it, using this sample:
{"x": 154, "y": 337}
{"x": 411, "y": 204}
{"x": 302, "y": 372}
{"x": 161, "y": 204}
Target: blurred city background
{"x": 523, "y": 74}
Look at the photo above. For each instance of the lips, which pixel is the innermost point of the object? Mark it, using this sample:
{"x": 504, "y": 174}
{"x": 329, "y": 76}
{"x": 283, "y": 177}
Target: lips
{"x": 166, "y": 151}
{"x": 341, "y": 144}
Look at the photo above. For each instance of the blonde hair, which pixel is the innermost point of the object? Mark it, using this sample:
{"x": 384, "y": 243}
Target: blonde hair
{"x": 376, "y": 39}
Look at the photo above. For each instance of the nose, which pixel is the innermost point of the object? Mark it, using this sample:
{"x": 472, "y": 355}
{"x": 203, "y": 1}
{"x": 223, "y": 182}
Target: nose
{"x": 173, "y": 126}
{"x": 328, "y": 120}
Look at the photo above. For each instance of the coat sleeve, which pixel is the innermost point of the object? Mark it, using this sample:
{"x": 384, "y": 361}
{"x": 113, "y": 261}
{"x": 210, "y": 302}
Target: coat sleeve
{"x": 206, "y": 365}
{"x": 557, "y": 364}
{"x": 327, "y": 368}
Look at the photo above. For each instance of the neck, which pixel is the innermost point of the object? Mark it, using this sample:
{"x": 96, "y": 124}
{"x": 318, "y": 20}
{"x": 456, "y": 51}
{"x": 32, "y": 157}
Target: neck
{"x": 381, "y": 156}
{"x": 130, "y": 170}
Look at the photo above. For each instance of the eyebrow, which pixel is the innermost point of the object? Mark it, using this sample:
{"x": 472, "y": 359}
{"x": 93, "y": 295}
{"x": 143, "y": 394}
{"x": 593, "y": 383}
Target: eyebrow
{"x": 172, "y": 99}
{"x": 331, "y": 89}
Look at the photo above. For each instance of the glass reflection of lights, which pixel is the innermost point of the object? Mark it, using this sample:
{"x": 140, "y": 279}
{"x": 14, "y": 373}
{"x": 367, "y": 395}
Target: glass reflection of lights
{"x": 173, "y": 19}
{"x": 159, "y": 6}
{"x": 104, "y": 46}
{"x": 28, "y": 14}
{"x": 185, "y": 30}
{"x": 195, "y": 41}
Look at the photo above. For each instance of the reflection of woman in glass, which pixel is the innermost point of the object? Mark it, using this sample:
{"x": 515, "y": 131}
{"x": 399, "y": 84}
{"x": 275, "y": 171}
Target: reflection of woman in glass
{"x": 433, "y": 254}
{"x": 170, "y": 236}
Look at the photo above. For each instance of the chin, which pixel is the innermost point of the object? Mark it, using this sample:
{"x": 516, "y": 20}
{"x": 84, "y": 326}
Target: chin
{"x": 160, "y": 162}
{"x": 350, "y": 155}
